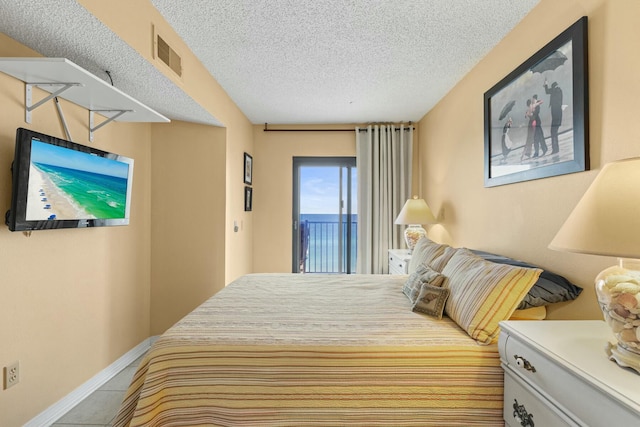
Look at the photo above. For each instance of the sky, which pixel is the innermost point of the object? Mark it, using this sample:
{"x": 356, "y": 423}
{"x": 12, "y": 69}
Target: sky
{"x": 320, "y": 189}
{"x": 67, "y": 158}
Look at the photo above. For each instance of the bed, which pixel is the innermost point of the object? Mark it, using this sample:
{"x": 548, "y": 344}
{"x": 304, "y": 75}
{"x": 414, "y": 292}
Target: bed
{"x": 318, "y": 350}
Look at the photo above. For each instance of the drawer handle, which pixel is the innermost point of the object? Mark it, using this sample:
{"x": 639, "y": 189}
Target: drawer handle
{"x": 524, "y": 363}
{"x": 521, "y": 415}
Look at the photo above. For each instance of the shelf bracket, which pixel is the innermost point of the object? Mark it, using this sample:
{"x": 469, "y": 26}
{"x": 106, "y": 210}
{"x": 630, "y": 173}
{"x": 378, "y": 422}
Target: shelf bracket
{"x": 92, "y": 129}
{"x": 28, "y": 94}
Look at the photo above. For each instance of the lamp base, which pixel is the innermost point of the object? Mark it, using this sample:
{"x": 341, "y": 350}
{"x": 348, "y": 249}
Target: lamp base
{"x": 622, "y": 357}
{"x": 412, "y": 234}
{"x": 618, "y": 292}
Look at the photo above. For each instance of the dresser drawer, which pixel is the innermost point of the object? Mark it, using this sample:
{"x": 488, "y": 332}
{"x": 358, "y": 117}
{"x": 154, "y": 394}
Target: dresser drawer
{"x": 525, "y": 407}
{"x": 578, "y": 399}
{"x": 397, "y": 268}
{"x": 398, "y": 262}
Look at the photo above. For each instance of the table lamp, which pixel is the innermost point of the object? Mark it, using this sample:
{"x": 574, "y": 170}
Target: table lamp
{"x": 606, "y": 221}
{"x": 414, "y": 213}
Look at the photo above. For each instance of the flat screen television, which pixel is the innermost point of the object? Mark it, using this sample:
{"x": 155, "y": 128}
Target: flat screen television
{"x": 61, "y": 184}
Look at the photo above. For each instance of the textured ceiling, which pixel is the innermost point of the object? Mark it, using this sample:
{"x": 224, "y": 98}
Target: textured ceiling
{"x": 284, "y": 61}
{"x": 340, "y": 61}
{"x": 65, "y": 29}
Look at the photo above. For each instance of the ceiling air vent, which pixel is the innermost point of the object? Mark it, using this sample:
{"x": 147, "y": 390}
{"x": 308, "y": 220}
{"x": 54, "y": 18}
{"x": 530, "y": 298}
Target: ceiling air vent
{"x": 169, "y": 56}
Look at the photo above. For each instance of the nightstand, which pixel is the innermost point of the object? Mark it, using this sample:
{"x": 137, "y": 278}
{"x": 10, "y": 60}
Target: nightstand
{"x": 558, "y": 374}
{"x": 399, "y": 261}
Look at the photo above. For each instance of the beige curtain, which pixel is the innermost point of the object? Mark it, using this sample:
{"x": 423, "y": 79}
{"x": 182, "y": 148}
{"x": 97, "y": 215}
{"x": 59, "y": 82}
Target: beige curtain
{"x": 384, "y": 184}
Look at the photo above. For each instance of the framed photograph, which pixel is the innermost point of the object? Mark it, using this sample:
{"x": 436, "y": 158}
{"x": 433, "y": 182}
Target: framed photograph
{"x": 536, "y": 119}
{"x": 248, "y": 169}
{"x": 248, "y": 198}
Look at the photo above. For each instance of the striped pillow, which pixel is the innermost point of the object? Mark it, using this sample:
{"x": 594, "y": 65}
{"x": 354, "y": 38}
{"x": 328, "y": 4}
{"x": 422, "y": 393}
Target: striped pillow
{"x": 429, "y": 253}
{"x": 483, "y": 293}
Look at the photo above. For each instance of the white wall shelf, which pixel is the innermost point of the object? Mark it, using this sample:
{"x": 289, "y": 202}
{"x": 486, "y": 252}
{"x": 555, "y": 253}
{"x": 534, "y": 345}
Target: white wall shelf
{"x": 62, "y": 78}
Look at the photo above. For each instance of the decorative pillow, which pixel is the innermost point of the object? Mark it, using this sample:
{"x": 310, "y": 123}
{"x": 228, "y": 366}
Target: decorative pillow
{"x": 484, "y": 293}
{"x": 412, "y": 286}
{"x": 430, "y": 253}
{"x": 431, "y": 300}
{"x": 422, "y": 275}
{"x": 550, "y": 287}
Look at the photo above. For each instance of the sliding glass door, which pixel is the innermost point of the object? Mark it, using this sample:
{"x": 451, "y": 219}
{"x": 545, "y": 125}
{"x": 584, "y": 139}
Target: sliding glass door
{"x": 324, "y": 215}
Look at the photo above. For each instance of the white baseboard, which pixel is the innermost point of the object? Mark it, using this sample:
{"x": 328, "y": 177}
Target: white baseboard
{"x": 64, "y": 405}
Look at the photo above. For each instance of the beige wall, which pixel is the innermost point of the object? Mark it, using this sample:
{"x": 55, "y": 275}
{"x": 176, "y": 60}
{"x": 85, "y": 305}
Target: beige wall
{"x": 273, "y": 184}
{"x": 73, "y": 301}
{"x": 239, "y": 246}
{"x": 135, "y": 28}
{"x": 187, "y": 219}
{"x": 521, "y": 219}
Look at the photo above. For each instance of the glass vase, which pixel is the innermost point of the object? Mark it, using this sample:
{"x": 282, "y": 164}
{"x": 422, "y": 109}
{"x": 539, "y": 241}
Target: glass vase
{"x": 618, "y": 292}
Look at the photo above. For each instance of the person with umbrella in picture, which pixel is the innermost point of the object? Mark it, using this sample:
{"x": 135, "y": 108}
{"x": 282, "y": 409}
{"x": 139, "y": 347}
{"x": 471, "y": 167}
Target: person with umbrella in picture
{"x": 555, "y": 103}
{"x": 506, "y": 141}
{"x": 538, "y": 134}
{"x": 549, "y": 64}
{"x": 531, "y": 127}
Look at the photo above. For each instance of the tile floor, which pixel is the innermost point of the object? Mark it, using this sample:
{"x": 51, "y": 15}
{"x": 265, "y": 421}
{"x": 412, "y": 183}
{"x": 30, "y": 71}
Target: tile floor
{"x": 100, "y": 408}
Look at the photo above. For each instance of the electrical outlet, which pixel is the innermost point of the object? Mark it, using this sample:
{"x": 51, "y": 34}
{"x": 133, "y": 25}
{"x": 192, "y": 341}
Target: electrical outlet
{"x": 11, "y": 375}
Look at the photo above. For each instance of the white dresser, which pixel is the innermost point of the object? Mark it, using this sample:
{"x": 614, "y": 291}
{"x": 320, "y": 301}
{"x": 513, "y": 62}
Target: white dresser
{"x": 557, "y": 373}
{"x": 399, "y": 261}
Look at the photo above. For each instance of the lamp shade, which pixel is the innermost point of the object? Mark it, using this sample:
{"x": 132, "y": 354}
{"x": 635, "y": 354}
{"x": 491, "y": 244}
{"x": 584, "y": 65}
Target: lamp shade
{"x": 415, "y": 211}
{"x": 606, "y": 221}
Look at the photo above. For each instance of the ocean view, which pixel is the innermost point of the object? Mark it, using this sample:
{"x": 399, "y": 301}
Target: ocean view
{"x": 326, "y": 217}
{"x": 92, "y": 195}
{"x": 324, "y": 243}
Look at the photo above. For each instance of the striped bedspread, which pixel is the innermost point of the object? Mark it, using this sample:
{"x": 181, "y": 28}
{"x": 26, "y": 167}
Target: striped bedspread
{"x": 314, "y": 350}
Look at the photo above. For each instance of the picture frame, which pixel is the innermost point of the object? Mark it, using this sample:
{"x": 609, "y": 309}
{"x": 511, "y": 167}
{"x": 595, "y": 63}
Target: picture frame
{"x": 248, "y": 169}
{"x": 248, "y": 199}
{"x": 529, "y": 137}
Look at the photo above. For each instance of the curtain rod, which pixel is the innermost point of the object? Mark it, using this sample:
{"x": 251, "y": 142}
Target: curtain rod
{"x": 266, "y": 129}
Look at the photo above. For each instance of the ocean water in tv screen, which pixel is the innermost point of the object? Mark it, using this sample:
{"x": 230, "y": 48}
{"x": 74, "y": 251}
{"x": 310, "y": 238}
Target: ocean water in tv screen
{"x": 65, "y": 184}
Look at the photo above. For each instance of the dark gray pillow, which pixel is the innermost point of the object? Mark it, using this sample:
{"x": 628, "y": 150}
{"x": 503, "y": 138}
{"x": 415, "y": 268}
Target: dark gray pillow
{"x": 550, "y": 287}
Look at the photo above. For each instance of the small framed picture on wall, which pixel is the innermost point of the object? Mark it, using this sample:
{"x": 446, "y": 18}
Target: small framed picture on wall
{"x": 248, "y": 198}
{"x": 248, "y": 169}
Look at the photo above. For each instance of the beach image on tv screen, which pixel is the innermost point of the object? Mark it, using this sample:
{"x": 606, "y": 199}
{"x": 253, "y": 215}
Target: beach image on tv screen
{"x": 65, "y": 184}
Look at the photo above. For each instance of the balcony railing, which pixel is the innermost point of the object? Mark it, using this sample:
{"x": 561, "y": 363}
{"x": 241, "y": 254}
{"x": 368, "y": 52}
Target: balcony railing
{"x": 323, "y": 252}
